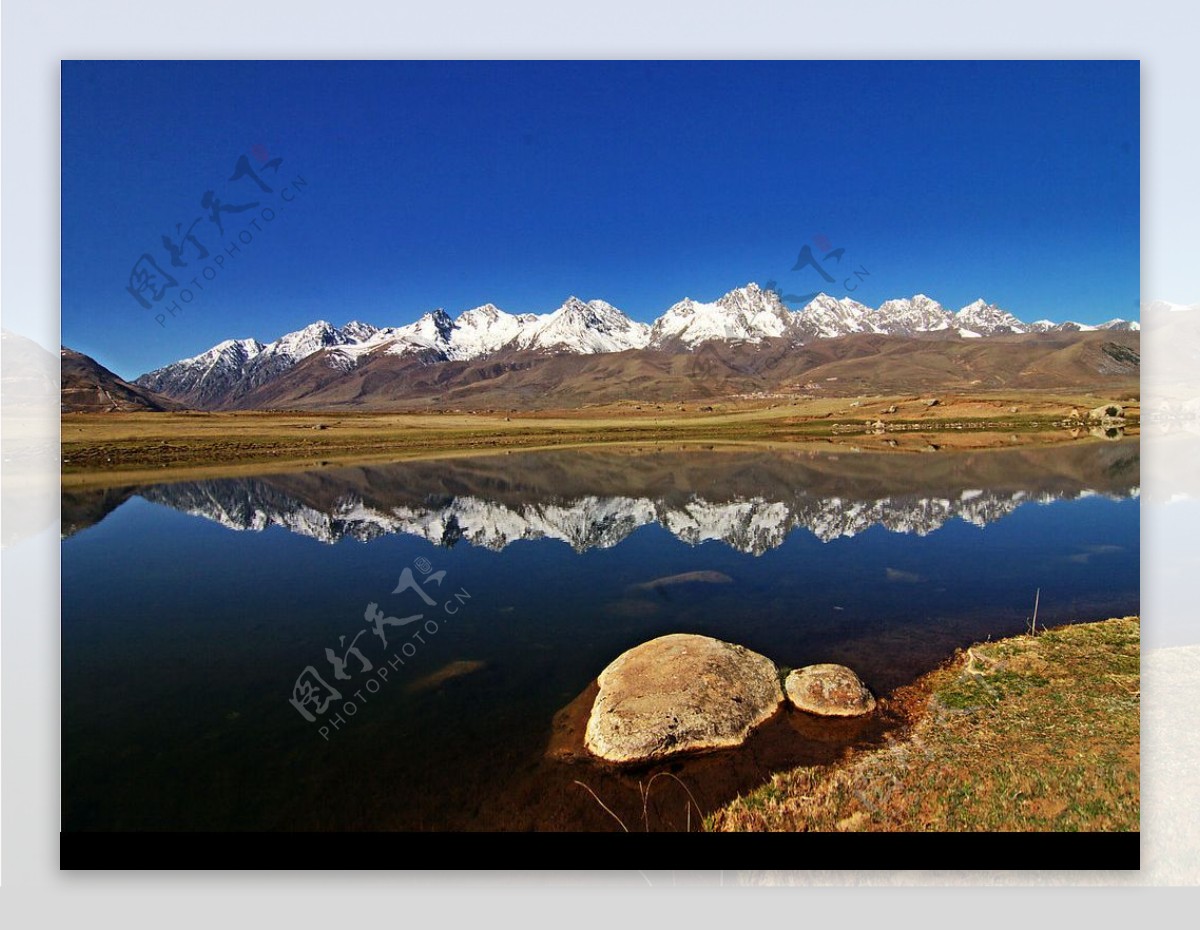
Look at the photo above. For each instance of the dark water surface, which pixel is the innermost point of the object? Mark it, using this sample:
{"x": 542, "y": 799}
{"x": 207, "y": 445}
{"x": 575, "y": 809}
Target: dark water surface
{"x": 190, "y": 611}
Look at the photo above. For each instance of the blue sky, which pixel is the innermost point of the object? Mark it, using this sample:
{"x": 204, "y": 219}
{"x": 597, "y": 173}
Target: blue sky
{"x": 406, "y": 186}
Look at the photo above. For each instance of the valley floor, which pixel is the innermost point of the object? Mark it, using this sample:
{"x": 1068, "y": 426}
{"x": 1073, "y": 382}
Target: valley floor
{"x": 110, "y": 448}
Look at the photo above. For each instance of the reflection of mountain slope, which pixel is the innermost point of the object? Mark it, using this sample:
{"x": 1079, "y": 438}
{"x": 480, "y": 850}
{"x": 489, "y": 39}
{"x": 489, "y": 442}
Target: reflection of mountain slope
{"x": 751, "y": 501}
{"x": 754, "y": 526}
{"x": 81, "y": 509}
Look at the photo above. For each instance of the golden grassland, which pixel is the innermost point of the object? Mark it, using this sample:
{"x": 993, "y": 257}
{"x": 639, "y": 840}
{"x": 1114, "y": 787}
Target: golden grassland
{"x": 109, "y": 448}
{"x": 1036, "y": 732}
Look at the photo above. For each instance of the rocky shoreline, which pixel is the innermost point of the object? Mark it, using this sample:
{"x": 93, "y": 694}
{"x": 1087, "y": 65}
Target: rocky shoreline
{"x": 1028, "y": 732}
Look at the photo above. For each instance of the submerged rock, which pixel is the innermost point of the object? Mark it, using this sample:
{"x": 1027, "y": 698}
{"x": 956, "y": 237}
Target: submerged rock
{"x": 680, "y": 693}
{"x": 828, "y": 690}
{"x": 674, "y": 581}
{"x": 446, "y": 673}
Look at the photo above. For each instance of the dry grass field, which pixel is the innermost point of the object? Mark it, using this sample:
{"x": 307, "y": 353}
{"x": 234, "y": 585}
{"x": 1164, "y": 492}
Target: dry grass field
{"x": 112, "y": 447}
{"x": 1036, "y": 732}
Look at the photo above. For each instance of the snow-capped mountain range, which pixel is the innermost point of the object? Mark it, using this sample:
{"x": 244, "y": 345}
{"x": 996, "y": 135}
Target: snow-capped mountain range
{"x": 752, "y": 525}
{"x": 747, "y": 314}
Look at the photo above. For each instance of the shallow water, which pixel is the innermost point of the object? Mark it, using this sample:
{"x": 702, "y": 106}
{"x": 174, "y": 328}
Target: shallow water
{"x": 190, "y": 611}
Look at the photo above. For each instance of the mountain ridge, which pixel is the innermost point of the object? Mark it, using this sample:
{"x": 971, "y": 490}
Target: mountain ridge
{"x": 234, "y": 372}
{"x": 86, "y": 385}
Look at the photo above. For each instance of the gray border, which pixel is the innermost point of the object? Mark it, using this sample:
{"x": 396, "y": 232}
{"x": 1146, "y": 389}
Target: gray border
{"x": 37, "y": 34}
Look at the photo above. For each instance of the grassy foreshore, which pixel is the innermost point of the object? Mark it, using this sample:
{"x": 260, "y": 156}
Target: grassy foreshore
{"x": 107, "y": 448}
{"x": 1028, "y": 733}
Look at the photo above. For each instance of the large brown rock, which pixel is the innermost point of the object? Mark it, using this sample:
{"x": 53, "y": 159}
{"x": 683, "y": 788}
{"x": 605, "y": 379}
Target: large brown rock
{"x": 828, "y": 690}
{"x": 680, "y": 693}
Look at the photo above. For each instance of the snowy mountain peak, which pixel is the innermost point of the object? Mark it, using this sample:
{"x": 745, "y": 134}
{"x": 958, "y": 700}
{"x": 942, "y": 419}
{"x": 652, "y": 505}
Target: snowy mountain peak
{"x": 821, "y": 300}
{"x": 1123, "y": 326}
{"x": 441, "y": 319}
{"x": 750, "y": 295}
{"x": 435, "y": 325}
{"x": 824, "y": 317}
{"x": 591, "y": 311}
{"x": 230, "y": 348}
{"x": 584, "y": 329}
{"x": 752, "y": 301}
{"x": 745, "y": 314}
{"x": 908, "y": 315}
{"x": 485, "y": 329}
{"x": 987, "y": 319}
{"x": 357, "y": 331}
{"x": 432, "y": 332}
{"x": 1070, "y": 326}
{"x": 297, "y": 346}
{"x": 315, "y": 328}
{"x": 482, "y": 312}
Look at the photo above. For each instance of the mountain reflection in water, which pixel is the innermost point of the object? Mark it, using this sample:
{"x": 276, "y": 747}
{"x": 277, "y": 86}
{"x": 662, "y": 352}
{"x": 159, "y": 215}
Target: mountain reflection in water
{"x": 751, "y": 501}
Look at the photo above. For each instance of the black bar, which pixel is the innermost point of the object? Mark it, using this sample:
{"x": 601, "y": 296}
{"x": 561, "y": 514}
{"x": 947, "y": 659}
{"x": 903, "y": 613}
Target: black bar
{"x": 851, "y": 851}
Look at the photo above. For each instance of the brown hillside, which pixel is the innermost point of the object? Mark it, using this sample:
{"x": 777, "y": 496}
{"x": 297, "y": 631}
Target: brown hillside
{"x": 89, "y": 387}
{"x": 1103, "y": 362}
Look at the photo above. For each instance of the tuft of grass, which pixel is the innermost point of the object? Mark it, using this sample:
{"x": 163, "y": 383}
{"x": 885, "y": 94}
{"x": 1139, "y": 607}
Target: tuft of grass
{"x": 1028, "y": 733}
{"x": 644, "y": 789}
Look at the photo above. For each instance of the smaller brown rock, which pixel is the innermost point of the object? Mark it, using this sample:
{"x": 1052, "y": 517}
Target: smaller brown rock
{"x": 829, "y": 691}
